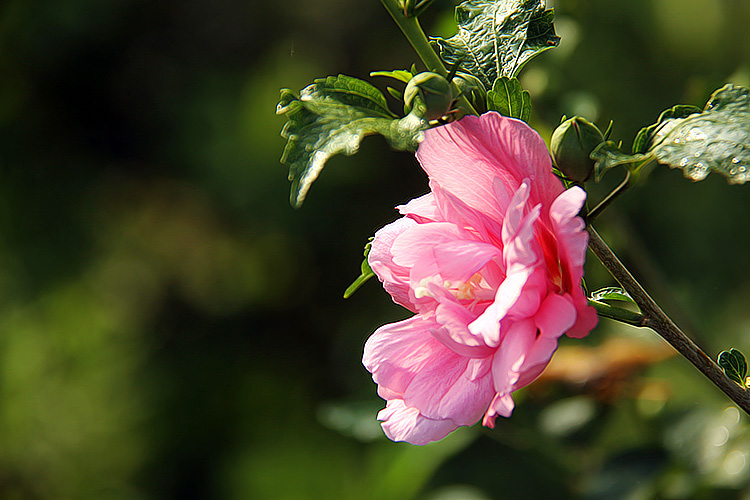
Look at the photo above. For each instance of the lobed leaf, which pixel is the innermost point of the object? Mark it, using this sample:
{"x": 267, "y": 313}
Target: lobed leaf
{"x": 734, "y": 364}
{"x": 608, "y": 156}
{"x": 508, "y": 98}
{"x": 715, "y": 140}
{"x": 496, "y": 38}
{"x": 331, "y": 117}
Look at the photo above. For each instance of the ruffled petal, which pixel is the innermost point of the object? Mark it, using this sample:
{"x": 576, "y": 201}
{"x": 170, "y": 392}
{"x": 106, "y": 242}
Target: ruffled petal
{"x": 402, "y": 423}
{"x": 572, "y": 242}
{"x": 465, "y": 157}
{"x": 422, "y": 209}
{"x": 397, "y": 352}
{"x": 395, "y": 278}
{"x": 452, "y": 390}
{"x": 510, "y": 357}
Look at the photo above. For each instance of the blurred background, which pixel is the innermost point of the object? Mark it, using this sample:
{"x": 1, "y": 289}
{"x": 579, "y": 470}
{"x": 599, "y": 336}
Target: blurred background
{"x": 170, "y": 328}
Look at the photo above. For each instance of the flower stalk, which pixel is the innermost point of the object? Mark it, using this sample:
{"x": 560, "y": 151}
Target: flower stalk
{"x": 657, "y": 320}
{"x": 416, "y": 36}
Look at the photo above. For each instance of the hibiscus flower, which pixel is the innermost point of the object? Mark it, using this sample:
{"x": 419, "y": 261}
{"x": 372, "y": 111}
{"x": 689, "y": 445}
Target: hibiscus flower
{"x": 491, "y": 262}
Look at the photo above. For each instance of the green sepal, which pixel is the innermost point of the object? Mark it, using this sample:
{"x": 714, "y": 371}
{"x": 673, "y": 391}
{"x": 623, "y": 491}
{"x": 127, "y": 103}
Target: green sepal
{"x": 366, "y": 273}
{"x": 608, "y": 155}
{"x": 331, "y": 117}
{"x": 612, "y": 293}
{"x": 734, "y": 364}
{"x": 508, "y": 98}
{"x": 644, "y": 138}
{"x": 497, "y": 37}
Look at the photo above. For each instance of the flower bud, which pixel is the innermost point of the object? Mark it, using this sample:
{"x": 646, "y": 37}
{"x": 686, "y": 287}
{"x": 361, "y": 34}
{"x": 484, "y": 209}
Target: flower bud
{"x": 572, "y": 143}
{"x": 434, "y": 91}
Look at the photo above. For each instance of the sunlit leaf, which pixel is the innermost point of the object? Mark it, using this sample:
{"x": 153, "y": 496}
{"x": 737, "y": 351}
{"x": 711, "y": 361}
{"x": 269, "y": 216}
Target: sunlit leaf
{"x": 397, "y": 74}
{"x": 644, "y": 139}
{"x": 612, "y": 293}
{"x": 508, "y": 98}
{"x": 497, "y": 37}
{"x": 331, "y": 117}
{"x": 734, "y": 364}
{"x": 366, "y": 273}
{"x": 716, "y": 140}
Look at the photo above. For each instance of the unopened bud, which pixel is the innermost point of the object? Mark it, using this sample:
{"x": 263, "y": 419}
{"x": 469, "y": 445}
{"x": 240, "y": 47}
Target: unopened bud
{"x": 434, "y": 91}
{"x": 572, "y": 143}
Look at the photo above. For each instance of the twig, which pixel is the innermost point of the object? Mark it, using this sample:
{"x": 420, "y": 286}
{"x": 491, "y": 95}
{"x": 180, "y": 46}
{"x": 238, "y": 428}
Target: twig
{"x": 658, "y": 321}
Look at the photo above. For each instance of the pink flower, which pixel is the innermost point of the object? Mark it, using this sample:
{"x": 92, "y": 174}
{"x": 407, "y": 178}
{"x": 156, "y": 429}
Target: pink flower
{"x": 490, "y": 262}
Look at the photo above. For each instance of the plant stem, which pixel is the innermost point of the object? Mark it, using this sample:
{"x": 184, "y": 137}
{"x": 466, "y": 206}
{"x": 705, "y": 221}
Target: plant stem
{"x": 624, "y": 185}
{"x": 656, "y": 319}
{"x": 418, "y": 40}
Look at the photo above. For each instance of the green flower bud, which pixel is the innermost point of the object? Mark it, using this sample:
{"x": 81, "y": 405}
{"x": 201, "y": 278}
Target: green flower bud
{"x": 471, "y": 87}
{"x": 434, "y": 92}
{"x": 572, "y": 143}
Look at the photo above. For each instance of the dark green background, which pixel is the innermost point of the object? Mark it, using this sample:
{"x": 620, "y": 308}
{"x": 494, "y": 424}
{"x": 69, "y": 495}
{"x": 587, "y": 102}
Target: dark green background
{"x": 171, "y": 329}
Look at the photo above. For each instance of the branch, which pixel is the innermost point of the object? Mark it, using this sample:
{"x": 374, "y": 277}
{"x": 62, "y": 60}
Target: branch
{"x": 657, "y": 320}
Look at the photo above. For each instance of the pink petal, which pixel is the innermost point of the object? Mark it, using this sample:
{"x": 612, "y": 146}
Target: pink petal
{"x": 454, "y": 333}
{"x": 502, "y": 404}
{"x": 518, "y": 232}
{"x": 511, "y": 355}
{"x": 410, "y": 246}
{"x": 402, "y": 423}
{"x": 395, "y": 278}
{"x": 465, "y": 157}
{"x": 487, "y": 325}
{"x": 422, "y": 209}
{"x": 451, "y": 389}
{"x": 397, "y": 352}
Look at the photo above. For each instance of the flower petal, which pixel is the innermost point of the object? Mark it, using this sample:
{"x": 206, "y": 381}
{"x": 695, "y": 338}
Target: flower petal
{"x": 402, "y": 423}
{"x": 465, "y": 157}
{"x": 422, "y": 209}
{"x": 395, "y": 278}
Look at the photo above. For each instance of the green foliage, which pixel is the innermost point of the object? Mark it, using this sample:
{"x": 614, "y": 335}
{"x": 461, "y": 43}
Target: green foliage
{"x": 612, "y": 293}
{"x": 644, "y": 139}
{"x": 714, "y": 140}
{"x": 366, "y": 273}
{"x": 331, "y": 117}
{"x": 734, "y": 364}
{"x": 509, "y": 98}
{"x": 496, "y": 38}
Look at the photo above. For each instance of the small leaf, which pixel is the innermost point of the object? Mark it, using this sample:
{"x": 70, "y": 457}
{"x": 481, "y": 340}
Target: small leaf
{"x": 734, "y": 364}
{"x": 608, "y": 156}
{"x": 366, "y": 273}
{"x": 497, "y": 37}
{"x": 716, "y": 140}
{"x": 331, "y": 117}
{"x": 508, "y": 98}
{"x": 612, "y": 293}
{"x": 397, "y": 74}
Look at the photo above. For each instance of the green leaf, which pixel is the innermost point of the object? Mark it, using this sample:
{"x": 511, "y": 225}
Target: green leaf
{"x": 734, "y": 364}
{"x": 397, "y": 74}
{"x": 608, "y": 156}
{"x": 644, "y": 139}
{"x": 331, "y": 117}
{"x": 497, "y": 37}
{"x": 366, "y": 273}
{"x": 716, "y": 140}
{"x": 612, "y": 293}
{"x": 508, "y": 98}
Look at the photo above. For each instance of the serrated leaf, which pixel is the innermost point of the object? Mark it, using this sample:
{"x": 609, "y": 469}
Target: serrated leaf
{"x": 612, "y": 293}
{"x": 734, "y": 364}
{"x": 608, "y": 156}
{"x": 497, "y": 37}
{"x": 644, "y": 139}
{"x": 331, "y": 117}
{"x": 366, "y": 273}
{"x": 716, "y": 140}
{"x": 508, "y": 98}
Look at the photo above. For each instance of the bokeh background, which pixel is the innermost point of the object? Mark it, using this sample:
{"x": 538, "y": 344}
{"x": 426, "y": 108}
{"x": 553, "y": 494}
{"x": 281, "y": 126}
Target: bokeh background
{"x": 170, "y": 328}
